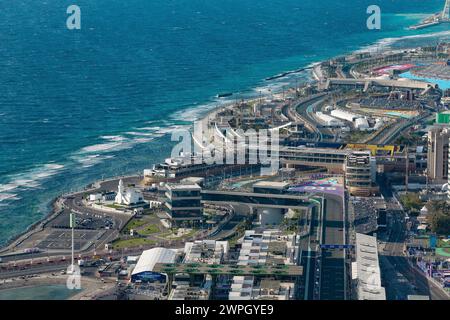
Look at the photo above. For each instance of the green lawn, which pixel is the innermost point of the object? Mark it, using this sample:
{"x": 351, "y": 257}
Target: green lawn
{"x": 134, "y": 224}
{"x": 168, "y": 235}
{"x": 148, "y": 230}
{"x": 114, "y": 206}
{"x": 128, "y": 243}
{"x": 444, "y": 252}
{"x": 190, "y": 234}
{"x": 357, "y": 136}
{"x": 443, "y": 244}
{"x": 411, "y": 201}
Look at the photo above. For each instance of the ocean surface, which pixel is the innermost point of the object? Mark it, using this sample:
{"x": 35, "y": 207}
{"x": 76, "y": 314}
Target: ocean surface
{"x": 43, "y": 292}
{"x": 76, "y": 106}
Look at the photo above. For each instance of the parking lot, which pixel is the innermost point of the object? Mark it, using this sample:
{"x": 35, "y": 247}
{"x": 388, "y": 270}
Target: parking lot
{"x": 62, "y": 239}
{"x": 88, "y": 221}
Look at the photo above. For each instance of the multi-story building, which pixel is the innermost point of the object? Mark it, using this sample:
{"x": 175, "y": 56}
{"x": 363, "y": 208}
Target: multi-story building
{"x": 438, "y": 142}
{"x": 183, "y": 291}
{"x": 268, "y": 248}
{"x": 200, "y": 286}
{"x": 360, "y": 174}
{"x": 183, "y": 203}
{"x": 205, "y": 251}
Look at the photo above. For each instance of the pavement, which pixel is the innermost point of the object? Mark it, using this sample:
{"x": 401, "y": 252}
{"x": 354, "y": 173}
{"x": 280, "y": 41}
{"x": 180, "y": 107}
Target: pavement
{"x": 308, "y": 254}
{"x": 399, "y": 276}
{"x": 333, "y": 266}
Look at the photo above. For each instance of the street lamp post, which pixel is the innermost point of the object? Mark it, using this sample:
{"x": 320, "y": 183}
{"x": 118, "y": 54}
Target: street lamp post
{"x": 72, "y": 225}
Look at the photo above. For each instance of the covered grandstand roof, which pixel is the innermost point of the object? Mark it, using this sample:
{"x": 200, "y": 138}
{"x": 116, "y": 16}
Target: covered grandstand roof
{"x": 368, "y": 269}
{"x": 150, "y": 258}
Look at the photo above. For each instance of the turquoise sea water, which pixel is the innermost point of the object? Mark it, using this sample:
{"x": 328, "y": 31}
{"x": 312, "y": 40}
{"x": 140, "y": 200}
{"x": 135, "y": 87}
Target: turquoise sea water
{"x": 45, "y": 292}
{"x": 443, "y": 84}
{"x": 79, "y": 105}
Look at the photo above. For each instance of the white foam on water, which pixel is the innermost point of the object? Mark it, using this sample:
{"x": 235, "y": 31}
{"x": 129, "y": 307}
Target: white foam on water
{"x": 267, "y": 88}
{"x": 113, "y": 143}
{"x": 38, "y": 174}
{"x": 48, "y": 170}
{"x": 171, "y": 129}
{"x": 27, "y": 180}
{"x": 7, "y": 187}
{"x": 8, "y": 196}
{"x": 84, "y": 159}
{"x": 91, "y": 160}
{"x": 54, "y": 166}
{"x": 149, "y": 128}
{"x": 196, "y": 112}
{"x": 155, "y": 121}
{"x": 139, "y": 134}
{"x": 28, "y": 183}
{"x": 94, "y": 154}
{"x": 97, "y": 153}
{"x": 100, "y": 147}
{"x": 273, "y": 88}
{"x": 142, "y": 140}
{"x": 113, "y": 138}
{"x": 388, "y": 42}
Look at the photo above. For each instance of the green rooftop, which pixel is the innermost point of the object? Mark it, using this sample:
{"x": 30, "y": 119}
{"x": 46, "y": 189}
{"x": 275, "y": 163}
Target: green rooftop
{"x": 204, "y": 268}
{"x": 443, "y": 117}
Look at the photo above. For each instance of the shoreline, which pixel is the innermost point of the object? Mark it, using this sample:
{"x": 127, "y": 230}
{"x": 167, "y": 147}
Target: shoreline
{"x": 53, "y": 213}
{"x": 38, "y": 225}
{"x": 90, "y": 287}
{"x": 33, "y": 228}
{"x": 313, "y": 76}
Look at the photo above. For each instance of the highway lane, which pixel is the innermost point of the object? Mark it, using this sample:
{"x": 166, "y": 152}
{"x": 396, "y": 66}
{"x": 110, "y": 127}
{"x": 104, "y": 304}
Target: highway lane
{"x": 392, "y": 133}
{"x": 291, "y": 111}
{"x": 305, "y": 109}
{"x": 36, "y": 270}
{"x": 308, "y": 226}
{"x": 310, "y": 111}
{"x": 61, "y": 262}
{"x": 394, "y": 254}
{"x": 333, "y": 268}
{"x": 399, "y": 276}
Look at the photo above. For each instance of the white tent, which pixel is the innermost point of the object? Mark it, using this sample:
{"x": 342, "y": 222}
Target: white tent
{"x": 150, "y": 258}
{"x": 424, "y": 211}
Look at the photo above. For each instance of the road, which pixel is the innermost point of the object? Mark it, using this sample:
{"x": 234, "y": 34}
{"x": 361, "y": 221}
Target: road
{"x": 309, "y": 234}
{"x": 399, "y": 276}
{"x": 304, "y": 111}
{"x": 36, "y": 270}
{"x": 398, "y": 269}
{"x": 294, "y": 113}
{"x": 333, "y": 266}
{"x": 59, "y": 263}
{"x": 393, "y": 132}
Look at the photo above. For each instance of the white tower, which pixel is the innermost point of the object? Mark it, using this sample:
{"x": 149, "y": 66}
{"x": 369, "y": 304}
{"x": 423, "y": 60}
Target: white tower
{"x": 120, "y": 193}
{"x": 121, "y": 189}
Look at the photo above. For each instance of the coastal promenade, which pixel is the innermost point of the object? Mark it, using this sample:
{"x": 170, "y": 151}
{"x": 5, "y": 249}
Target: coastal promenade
{"x": 327, "y": 272}
{"x": 63, "y": 206}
